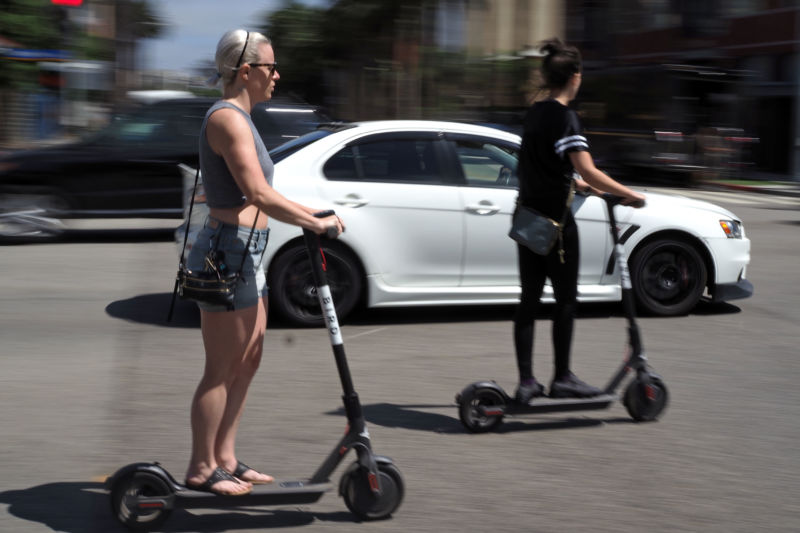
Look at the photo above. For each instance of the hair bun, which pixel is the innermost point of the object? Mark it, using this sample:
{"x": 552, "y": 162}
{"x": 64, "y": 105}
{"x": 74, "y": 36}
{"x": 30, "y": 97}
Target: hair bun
{"x": 552, "y": 46}
{"x": 560, "y": 62}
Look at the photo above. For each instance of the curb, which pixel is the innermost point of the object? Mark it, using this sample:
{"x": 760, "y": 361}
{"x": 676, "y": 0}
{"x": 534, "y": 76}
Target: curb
{"x": 780, "y": 190}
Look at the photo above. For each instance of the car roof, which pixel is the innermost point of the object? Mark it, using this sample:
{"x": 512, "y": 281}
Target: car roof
{"x": 378, "y": 126}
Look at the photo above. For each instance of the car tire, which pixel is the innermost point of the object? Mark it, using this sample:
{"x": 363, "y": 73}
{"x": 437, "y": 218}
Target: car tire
{"x": 293, "y": 293}
{"x": 668, "y": 277}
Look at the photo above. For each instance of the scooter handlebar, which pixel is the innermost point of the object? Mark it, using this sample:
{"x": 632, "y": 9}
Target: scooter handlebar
{"x": 331, "y": 232}
{"x": 613, "y": 199}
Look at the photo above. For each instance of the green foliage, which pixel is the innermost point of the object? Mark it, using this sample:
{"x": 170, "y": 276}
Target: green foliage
{"x": 27, "y": 23}
{"x": 141, "y": 19}
{"x": 296, "y": 34}
{"x": 373, "y": 49}
{"x": 30, "y": 23}
{"x": 350, "y": 35}
{"x": 40, "y": 25}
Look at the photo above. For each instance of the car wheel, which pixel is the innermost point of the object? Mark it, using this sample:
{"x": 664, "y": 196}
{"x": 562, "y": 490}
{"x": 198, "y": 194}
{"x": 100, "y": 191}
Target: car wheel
{"x": 28, "y": 217}
{"x": 292, "y": 290}
{"x": 668, "y": 277}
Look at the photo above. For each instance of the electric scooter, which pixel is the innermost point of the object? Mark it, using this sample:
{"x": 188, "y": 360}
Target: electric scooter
{"x": 144, "y": 494}
{"x": 483, "y": 404}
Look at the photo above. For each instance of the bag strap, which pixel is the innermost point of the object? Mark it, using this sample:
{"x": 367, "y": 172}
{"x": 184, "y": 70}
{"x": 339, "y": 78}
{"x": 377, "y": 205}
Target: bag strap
{"x": 189, "y": 216}
{"x": 570, "y": 197}
{"x": 247, "y": 247}
{"x": 183, "y": 250}
{"x": 186, "y": 239}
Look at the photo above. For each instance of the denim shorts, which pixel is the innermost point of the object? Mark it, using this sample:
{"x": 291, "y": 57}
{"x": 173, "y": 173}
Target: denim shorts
{"x": 231, "y": 239}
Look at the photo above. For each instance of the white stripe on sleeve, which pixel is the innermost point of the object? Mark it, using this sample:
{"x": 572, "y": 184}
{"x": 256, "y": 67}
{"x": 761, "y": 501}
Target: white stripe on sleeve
{"x": 573, "y": 141}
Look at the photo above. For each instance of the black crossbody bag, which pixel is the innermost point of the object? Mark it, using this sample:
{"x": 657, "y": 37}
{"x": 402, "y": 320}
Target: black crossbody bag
{"x": 216, "y": 283}
{"x": 538, "y": 232}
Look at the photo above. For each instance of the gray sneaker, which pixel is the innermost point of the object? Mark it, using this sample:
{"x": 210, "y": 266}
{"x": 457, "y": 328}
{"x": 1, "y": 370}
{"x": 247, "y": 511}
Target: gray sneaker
{"x": 570, "y": 386}
{"x": 528, "y": 390}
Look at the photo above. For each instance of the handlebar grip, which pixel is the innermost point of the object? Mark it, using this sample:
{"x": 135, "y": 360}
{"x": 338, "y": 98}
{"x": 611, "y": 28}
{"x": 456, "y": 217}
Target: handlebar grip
{"x": 613, "y": 199}
{"x": 331, "y": 232}
{"x": 637, "y": 203}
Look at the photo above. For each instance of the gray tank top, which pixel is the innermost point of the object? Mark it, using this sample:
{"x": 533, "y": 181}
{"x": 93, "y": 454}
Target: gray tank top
{"x": 221, "y": 189}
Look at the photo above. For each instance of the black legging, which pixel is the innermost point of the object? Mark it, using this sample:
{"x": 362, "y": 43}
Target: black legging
{"x": 533, "y": 269}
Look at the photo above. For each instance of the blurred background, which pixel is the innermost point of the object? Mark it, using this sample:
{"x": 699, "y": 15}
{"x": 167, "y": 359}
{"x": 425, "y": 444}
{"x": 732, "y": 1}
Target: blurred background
{"x": 674, "y": 90}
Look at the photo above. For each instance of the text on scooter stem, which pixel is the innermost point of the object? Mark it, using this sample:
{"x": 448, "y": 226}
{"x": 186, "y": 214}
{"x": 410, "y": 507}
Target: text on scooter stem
{"x": 329, "y": 312}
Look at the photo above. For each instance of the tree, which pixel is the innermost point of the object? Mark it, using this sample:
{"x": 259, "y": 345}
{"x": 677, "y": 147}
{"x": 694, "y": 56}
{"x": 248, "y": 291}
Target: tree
{"x": 27, "y": 23}
{"x": 296, "y": 33}
{"x": 352, "y": 43}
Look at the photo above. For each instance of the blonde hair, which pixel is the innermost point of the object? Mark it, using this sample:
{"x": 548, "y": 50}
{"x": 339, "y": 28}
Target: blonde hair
{"x": 237, "y": 45}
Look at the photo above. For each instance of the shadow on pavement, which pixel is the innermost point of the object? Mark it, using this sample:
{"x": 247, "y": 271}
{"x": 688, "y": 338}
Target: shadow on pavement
{"x": 418, "y": 417}
{"x": 83, "y": 507}
{"x": 153, "y": 308}
{"x": 707, "y": 308}
{"x": 408, "y": 417}
{"x": 505, "y": 313}
{"x": 531, "y": 424}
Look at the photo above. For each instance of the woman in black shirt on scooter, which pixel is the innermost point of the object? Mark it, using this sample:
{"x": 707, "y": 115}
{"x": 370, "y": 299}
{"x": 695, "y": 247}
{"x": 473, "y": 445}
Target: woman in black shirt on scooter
{"x": 553, "y": 149}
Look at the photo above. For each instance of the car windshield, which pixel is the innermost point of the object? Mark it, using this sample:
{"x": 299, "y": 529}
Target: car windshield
{"x": 166, "y": 127}
{"x": 288, "y": 148}
{"x": 128, "y": 126}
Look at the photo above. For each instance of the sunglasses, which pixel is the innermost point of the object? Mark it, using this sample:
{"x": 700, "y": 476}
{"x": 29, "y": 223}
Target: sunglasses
{"x": 272, "y": 66}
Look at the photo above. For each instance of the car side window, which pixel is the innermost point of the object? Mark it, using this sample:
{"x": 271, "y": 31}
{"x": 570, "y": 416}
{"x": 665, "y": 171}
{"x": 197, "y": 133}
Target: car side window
{"x": 162, "y": 127}
{"x": 395, "y": 160}
{"x": 180, "y": 130}
{"x": 487, "y": 163}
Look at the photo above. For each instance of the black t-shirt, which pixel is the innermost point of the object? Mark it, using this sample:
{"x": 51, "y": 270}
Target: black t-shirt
{"x": 551, "y": 132}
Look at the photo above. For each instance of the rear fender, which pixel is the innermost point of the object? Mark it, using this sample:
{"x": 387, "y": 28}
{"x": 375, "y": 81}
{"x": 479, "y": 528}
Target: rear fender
{"x": 470, "y": 389}
{"x": 151, "y": 468}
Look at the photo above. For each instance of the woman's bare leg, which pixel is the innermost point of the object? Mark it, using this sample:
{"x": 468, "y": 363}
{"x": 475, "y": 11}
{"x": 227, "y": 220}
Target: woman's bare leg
{"x": 225, "y": 444}
{"x": 231, "y": 360}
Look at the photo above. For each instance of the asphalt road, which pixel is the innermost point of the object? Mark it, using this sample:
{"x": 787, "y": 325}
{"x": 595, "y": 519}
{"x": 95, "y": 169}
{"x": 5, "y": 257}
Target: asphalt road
{"x": 93, "y": 378}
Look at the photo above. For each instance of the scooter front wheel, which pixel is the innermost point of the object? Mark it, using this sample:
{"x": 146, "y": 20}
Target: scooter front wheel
{"x": 473, "y": 406}
{"x": 126, "y": 495}
{"x": 645, "y": 402}
{"x": 362, "y": 501}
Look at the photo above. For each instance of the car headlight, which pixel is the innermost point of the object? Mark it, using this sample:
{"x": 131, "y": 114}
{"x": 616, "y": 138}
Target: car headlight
{"x": 732, "y": 228}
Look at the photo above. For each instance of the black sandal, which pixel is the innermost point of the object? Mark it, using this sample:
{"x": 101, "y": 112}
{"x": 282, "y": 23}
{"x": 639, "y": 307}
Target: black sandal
{"x": 219, "y": 474}
{"x": 241, "y": 468}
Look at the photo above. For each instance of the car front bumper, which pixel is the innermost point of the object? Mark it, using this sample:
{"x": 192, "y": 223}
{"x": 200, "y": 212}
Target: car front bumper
{"x": 732, "y": 291}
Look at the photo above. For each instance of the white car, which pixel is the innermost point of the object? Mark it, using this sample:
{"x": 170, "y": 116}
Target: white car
{"x": 428, "y": 207}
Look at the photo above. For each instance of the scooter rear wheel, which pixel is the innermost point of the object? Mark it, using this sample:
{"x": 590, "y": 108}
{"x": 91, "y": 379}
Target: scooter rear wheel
{"x": 646, "y": 402}
{"x": 125, "y": 505}
{"x": 471, "y": 409}
{"x": 365, "y": 504}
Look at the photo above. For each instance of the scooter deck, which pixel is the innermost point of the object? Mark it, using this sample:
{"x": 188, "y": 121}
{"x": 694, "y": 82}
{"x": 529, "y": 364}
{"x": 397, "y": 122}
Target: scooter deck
{"x": 555, "y": 405}
{"x": 277, "y": 493}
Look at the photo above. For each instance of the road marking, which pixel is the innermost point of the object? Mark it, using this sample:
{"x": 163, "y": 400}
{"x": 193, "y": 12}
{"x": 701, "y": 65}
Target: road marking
{"x": 363, "y": 333}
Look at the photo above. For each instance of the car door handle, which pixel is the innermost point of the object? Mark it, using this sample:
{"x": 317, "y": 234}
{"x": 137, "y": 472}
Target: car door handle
{"x": 352, "y": 200}
{"x": 484, "y": 207}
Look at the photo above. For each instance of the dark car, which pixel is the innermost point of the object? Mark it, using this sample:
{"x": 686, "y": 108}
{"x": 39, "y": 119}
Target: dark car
{"x": 127, "y": 170}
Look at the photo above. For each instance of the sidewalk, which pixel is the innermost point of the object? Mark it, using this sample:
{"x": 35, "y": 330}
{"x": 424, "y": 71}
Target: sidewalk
{"x": 781, "y": 188}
